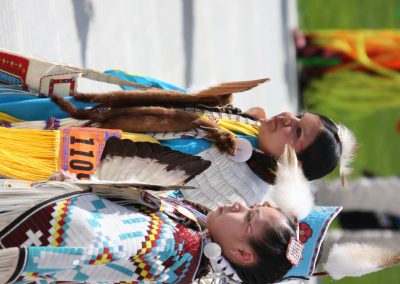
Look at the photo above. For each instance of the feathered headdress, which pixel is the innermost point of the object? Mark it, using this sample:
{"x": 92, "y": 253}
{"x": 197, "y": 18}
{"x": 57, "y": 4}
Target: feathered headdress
{"x": 348, "y": 143}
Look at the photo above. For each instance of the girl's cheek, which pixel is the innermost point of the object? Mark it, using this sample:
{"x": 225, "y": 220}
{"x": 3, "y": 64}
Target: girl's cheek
{"x": 301, "y": 145}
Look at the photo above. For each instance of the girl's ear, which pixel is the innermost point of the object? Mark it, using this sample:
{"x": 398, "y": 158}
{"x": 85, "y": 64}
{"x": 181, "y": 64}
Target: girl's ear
{"x": 243, "y": 256}
{"x": 257, "y": 113}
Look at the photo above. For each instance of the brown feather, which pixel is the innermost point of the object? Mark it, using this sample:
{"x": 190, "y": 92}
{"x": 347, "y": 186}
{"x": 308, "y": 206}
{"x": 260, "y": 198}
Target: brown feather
{"x": 218, "y": 95}
{"x": 229, "y": 88}
{"x": 156, "y": 153}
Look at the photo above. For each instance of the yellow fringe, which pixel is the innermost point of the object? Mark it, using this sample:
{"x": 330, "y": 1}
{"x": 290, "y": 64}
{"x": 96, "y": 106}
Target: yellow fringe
{"x": 239, "y": 127}
{"x": 29, "y": 154}
{"x": 234, "y": 126}
{"x": 33, "y": 155}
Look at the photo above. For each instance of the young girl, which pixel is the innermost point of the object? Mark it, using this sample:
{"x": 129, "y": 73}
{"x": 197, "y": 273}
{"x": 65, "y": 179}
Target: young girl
{"x": 320, "y": 145}
{"x": 119, "y": 232}
{"x": 82, "y": 237}
{"x": 245, "y": 177}
{"x": 202, "y": 118}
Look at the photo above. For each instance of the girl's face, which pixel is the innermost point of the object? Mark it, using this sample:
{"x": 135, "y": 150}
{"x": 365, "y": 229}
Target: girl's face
{"x": 286, "y": 128}
{"x": 231, "y": 226}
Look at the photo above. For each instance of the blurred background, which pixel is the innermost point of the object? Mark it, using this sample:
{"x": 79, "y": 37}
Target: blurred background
{"x": 348, "y": 69}
{"x": 338, "y": 58}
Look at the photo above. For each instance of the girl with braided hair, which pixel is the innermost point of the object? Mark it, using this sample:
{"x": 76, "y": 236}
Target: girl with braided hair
{"x": 242, "y": 146}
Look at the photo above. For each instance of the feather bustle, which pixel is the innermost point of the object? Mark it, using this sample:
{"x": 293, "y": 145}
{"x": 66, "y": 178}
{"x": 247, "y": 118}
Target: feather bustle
{"x": 143, "y": 162}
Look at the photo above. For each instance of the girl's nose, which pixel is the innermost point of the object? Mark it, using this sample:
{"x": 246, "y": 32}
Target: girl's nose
{"x": 264, "y": 204}
{"x": 236, "y": 207}
{"x": 288, "y": 119}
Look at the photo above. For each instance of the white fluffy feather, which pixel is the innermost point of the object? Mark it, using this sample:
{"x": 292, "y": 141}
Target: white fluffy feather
{"x": 292, "y": 192}
{"x": 356, "y": 259}
{"x": 348, "y": 142}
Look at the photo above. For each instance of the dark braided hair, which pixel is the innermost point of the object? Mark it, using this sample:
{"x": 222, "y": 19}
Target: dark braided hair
{"x": 318, "y": 159}
{"x": 323, "y": 155}
{"x": 264, "y": 166}
{"x": 271, "y": 262}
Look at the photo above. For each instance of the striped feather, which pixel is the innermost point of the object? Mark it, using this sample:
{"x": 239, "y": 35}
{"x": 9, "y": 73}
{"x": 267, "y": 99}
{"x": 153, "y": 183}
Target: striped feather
{"x": 146, "y": 163}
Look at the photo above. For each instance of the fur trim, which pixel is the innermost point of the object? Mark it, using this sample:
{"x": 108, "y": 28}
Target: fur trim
{"x": 217, "y": 95}
{"x": 292, "y": 192}
{"x": 356, "y": 259}
{"x": 8, "y": 263}
{"x": 151, "y": 119}
{"x": 348, "y": 142}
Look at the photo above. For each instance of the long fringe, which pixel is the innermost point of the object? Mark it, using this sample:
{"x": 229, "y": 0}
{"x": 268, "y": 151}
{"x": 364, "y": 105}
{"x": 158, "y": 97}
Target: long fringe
{"x": 42, "y": 124}
{"x": 33, "y": 155}
{"x": 16, "y": 201}
{"x": 29, "y": 154}
{"x": 8, "y": 263}
{"x": 68, "y": 122}
{"x": 123, "y": 195}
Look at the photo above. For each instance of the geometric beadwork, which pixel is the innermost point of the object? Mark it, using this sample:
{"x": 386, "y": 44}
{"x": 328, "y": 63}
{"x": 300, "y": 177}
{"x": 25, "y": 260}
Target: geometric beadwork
{"x": 85, "y": 238}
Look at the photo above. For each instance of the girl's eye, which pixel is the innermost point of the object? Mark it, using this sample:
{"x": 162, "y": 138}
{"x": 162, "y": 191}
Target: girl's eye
{"x": 300, "y": 116}
{"x": 298, "y": 132}
{"x": 249, "y": 216}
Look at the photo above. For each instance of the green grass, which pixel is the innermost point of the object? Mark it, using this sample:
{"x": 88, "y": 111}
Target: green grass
{"x": 375, "y": 126}
{"x": 387, "y": 276}
{"x": 370, "y": 106}
{"x": 349, "y": 14}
